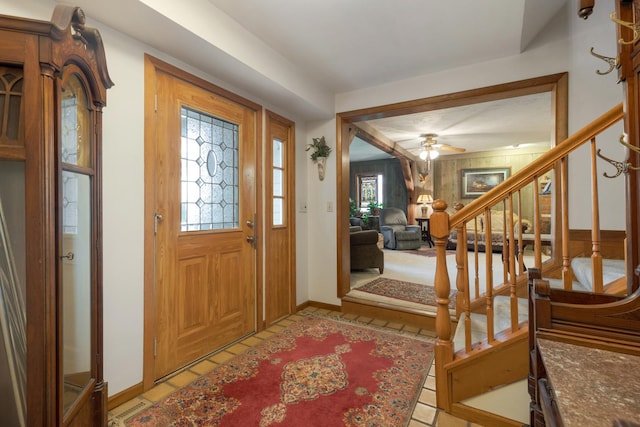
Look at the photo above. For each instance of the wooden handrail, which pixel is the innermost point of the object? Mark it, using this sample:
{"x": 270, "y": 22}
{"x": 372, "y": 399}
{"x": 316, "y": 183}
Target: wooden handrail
{"x": 442, "y": 224}
{"x": 538, "y": 167}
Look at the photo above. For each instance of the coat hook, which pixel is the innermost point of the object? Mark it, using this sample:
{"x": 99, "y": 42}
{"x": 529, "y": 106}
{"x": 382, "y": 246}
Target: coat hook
{"x": 632, "y": 26}
{"x": 613, "y": 62}
{"x": 620, "y": 166}
{"x": 629, "y": 146}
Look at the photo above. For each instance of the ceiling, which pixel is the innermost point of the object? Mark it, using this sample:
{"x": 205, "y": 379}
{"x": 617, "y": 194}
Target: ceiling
{"x": 521, "y": 122}
{"x": 354, "y": 44}
{"x": 297, "y": 55}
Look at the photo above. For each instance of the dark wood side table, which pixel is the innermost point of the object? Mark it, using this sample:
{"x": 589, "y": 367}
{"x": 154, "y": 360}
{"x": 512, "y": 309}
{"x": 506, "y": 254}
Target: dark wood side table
{"x": 426, "y": 231}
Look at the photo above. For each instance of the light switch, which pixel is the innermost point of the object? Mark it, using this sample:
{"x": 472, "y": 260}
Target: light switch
{"x": 329, "y": 206}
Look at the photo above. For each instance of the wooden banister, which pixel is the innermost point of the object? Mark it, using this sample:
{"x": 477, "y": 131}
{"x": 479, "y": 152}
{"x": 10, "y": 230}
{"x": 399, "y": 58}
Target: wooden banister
{"x": 512, "y": 282}
{"x": 538, "y": 167}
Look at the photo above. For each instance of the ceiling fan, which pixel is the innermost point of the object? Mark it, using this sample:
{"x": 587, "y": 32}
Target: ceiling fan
{"x": 430, "y": 147}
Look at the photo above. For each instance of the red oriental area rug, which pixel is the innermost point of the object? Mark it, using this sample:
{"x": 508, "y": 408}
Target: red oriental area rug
{"x": 406, "y": 291}
{"x": 316, "y": 372}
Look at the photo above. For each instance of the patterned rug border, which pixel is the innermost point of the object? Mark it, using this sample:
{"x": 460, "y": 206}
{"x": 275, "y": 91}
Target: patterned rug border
{"x": 118, "y": 421}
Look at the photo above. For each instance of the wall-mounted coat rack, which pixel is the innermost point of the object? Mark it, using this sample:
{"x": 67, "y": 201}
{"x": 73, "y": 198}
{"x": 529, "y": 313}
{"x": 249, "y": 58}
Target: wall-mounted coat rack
{"x": 621, "y": 167}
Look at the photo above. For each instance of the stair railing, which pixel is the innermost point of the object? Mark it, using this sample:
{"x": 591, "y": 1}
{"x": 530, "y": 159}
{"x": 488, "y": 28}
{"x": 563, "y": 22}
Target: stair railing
{"x": 503, "y": 272}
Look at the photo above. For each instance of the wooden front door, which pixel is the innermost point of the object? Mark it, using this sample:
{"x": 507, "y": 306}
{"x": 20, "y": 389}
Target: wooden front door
{"x": 205, "y": 278}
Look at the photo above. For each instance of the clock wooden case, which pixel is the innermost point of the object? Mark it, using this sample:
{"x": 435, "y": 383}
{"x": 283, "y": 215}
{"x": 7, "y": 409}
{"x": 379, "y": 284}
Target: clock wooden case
{"x": 53, "y": 83}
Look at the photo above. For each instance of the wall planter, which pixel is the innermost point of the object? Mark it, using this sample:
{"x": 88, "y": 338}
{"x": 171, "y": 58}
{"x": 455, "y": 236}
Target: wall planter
{"x": 319, "y": 154}
{"x": 321, "y": 162}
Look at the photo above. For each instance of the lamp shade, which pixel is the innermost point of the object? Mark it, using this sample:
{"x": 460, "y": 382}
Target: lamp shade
{"x": 424, "y": 199}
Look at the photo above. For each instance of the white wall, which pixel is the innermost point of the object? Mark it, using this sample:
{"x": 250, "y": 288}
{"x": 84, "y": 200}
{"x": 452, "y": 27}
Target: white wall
{"x": 321, "y": 233}
{"x": 590, "y": 95}
{"x": 123, "y": 160}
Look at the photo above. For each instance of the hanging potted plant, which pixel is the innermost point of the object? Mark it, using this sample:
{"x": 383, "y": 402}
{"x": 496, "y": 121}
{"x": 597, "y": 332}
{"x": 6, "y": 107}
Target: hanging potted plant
{"x": 319, "y": 153}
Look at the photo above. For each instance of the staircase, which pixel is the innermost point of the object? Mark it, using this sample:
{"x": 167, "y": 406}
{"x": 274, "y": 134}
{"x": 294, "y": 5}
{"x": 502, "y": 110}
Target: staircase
{"x": 489, "y": 347}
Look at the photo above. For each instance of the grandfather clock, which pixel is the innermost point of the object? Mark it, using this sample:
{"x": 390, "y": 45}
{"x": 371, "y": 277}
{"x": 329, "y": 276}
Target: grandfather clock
{"x": 53, "y": 83}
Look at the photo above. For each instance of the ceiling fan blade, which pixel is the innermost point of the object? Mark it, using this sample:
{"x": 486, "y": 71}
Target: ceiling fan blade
{"x": 445, "y": 147}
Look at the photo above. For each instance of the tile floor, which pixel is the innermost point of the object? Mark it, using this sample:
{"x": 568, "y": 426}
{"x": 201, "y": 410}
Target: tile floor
{"x": 424, "y": 414}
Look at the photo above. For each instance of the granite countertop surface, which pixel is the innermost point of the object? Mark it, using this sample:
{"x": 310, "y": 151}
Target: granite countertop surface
{"x": 592, "y": 387}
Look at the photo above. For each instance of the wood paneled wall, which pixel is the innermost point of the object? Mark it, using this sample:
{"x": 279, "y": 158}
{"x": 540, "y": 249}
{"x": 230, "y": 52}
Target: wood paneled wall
{"x": 447, "y": 172}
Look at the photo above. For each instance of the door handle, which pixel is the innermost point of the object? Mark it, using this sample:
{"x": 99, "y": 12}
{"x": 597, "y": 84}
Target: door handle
{"x": 156, "y": 219}
{"x": 252, "y": 239}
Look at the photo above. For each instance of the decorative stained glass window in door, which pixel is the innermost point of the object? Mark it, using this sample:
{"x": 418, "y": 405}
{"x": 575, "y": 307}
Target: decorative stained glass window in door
{"x": 209, "y": 172}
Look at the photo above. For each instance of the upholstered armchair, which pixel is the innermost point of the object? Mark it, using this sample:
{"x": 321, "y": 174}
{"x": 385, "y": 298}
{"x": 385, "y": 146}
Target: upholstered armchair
{"x": 395, "y": 231}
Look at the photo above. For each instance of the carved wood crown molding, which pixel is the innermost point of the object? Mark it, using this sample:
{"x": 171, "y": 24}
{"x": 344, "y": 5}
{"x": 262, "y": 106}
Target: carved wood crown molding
{"x": 70, "y": 20}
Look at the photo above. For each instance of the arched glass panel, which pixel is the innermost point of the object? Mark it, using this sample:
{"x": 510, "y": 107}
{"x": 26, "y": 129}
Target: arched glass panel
{"x": 75, "y": 130}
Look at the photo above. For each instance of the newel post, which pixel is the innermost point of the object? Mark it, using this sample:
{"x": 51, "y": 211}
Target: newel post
{"x": 439, "y": 223}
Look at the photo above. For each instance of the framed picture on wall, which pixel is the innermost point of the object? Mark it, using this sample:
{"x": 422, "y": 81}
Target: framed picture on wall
{"x": 476, "y": 182}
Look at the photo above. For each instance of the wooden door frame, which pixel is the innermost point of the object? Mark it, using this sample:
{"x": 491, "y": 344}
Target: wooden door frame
{"x": 290, "y": 208}
{"x": 153, "y": 66}
{"x": 557, "y": 84}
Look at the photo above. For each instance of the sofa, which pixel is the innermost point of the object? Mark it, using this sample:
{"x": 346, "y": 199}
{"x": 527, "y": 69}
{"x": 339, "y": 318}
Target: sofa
{"x": 497, "y": 231}
{"x": 364, "y": 249}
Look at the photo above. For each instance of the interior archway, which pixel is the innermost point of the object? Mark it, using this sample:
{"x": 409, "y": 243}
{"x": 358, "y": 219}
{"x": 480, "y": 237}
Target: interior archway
{"x": 556, "y": 84}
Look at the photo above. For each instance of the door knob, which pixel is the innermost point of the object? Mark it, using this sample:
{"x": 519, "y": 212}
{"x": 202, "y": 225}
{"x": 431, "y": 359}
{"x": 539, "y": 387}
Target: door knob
{"x": 251, "y": 239}
{"x": 249, "y": 223}
{"x": 156, "y": 219}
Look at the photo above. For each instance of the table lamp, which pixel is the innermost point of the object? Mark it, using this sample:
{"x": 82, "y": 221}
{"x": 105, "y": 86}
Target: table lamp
{"x": 425, "y": 200}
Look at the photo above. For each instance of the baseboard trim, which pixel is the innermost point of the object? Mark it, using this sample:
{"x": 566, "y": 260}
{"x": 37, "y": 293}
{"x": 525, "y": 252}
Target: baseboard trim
{"x": 318, "y": 304}
{"x": 125, "y": 396}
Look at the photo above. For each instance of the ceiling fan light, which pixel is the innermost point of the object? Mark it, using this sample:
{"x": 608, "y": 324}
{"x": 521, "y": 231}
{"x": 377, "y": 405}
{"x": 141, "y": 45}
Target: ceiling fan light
{"x": 423, "y": 155}
{"x": 433, "y": 154}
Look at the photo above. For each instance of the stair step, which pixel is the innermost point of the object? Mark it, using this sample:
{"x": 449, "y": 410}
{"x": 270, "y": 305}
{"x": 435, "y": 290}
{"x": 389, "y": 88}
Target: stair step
{"x": 501, "y": 320}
